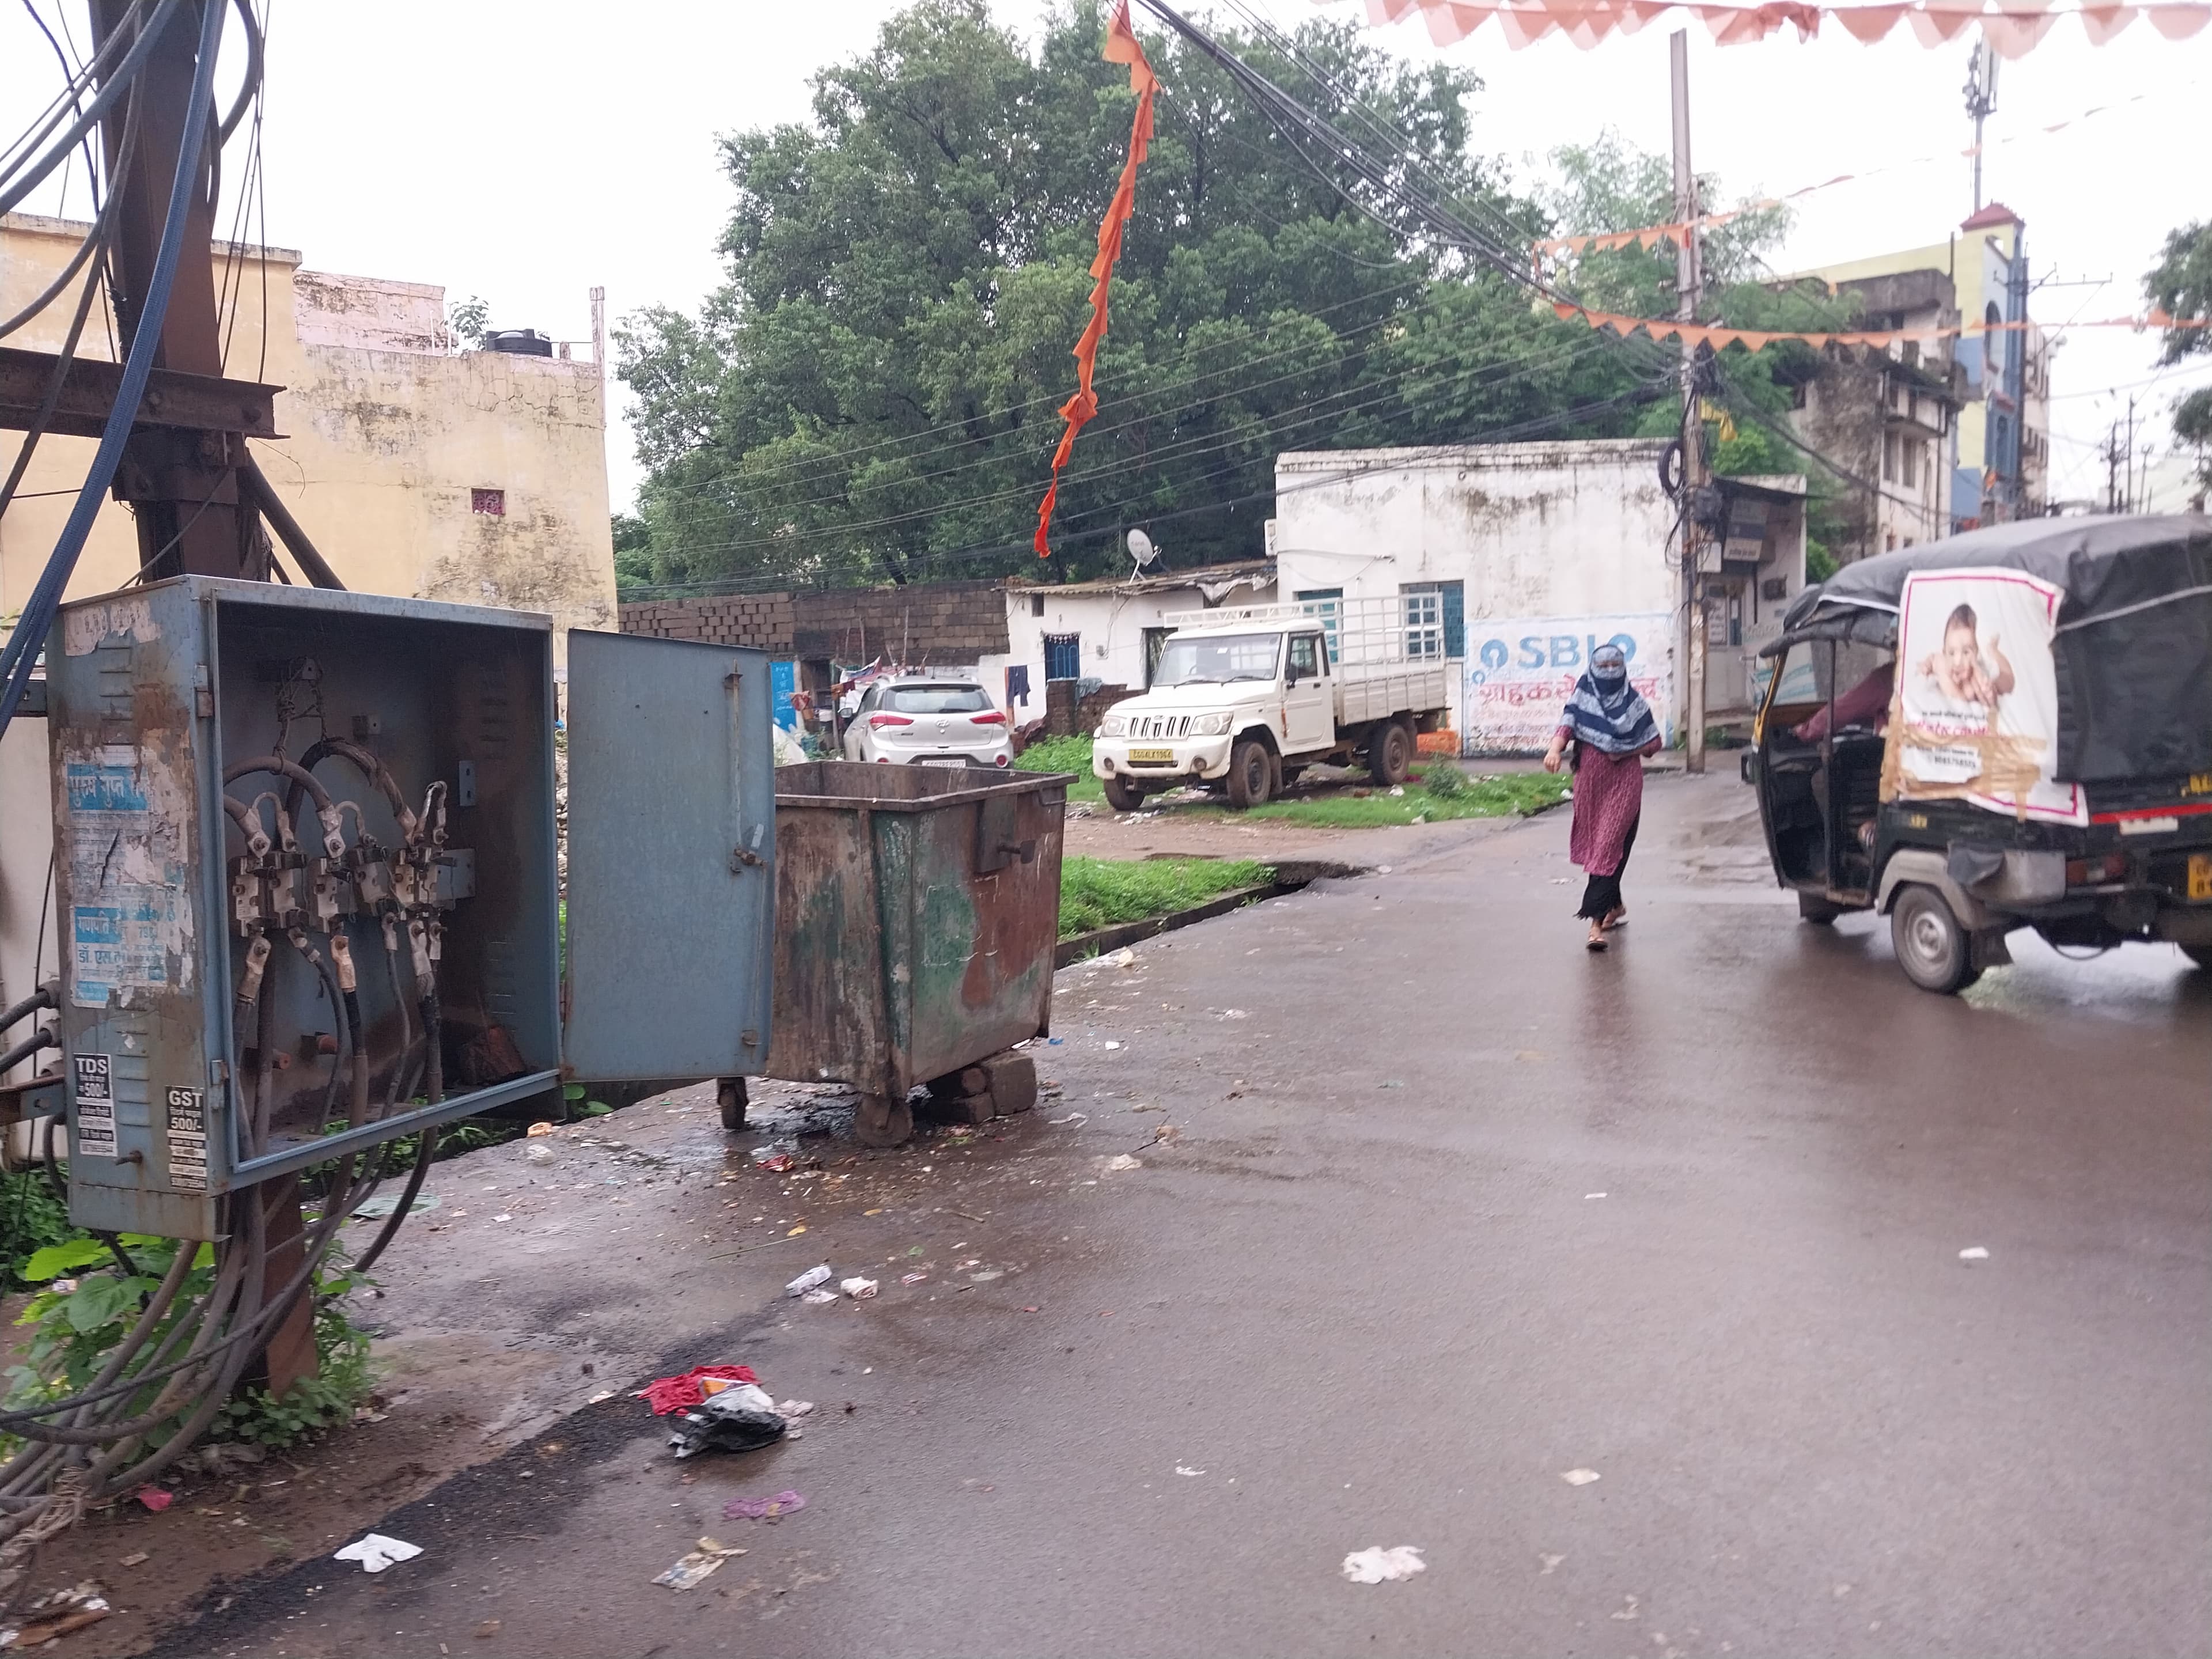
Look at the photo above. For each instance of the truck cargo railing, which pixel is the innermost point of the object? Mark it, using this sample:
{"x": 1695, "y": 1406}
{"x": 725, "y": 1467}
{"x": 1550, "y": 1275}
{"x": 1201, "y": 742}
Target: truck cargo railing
{"x": 1388, "y": 628}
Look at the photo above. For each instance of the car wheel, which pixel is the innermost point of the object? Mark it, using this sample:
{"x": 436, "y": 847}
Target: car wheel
{"x": 1932, "y": 946}
{"x": 1389, "y": 755}
{"x": 1251, "y": 769}
{"x": 1812, "y": 907}
{"x": 1122, "y": 795}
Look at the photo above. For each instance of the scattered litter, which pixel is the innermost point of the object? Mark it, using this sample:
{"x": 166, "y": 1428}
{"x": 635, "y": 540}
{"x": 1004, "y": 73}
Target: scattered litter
{"x": 1396, "y": 789}
{"x": 1124, "y": 957}
{"x": 1165, "y": 1133}
{"x": 1627, "y": 1613}
{"x": 1113, "y": 1045}
{"x": 155, "y": 1498}
{"x": 1579, "y": 1477}
{"x": 859, "y": 1289}
{"x": 538, "y": 1154}
{"x": 770, "y": 1510}
{"x": 1590, "y": 1195}
{"x": 807, "y": 1280}
{"x": 739, "y": 1417}
{"x": 375, "y": 1209}
{"x": 678, "y": 1394}
{"x": 777, "y": 1162}
{"x": 1376, "y": 1565}
{"x": 791, "y": 1410}
{"x": 1385, "y": 869}
{"x": 819, "y": 1297}
{"x": 1148, "y": 1106}
{"x": 135, "y": 1558}
{"x": 987, "y": 1275}
{"x": 1973, "y": 1253}
{"x": 1234, "y": 1013}
{"x": 1121, "y": 1161}
{"x": 914, "y": 1278}
{"x": 1181, "y": 1469}
{"x": 538, "y": 1129}
{"x": 61, "y": 1612}
{"x": 503, "y": 1216}
{"x": 1055, "y": 1042}
{"x": 801, "y": 1228}
{"x": 1072, "y": 1117}
{"x": 604, "y": 1393}
{"x": 1551, "y": 1564}
{"x": 375, "y": 1551}
{"x": 703, "y": 1560}
{"x": 486, "y": 1630}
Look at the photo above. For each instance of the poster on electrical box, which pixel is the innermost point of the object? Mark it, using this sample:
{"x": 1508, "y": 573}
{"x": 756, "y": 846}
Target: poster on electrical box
{"x": 1977, "y": 716}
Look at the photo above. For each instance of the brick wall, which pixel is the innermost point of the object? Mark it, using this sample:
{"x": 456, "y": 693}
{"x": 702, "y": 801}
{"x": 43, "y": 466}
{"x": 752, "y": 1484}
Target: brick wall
{"x": 943, "y": 621}
{"x": 1066, "y": 715}
{"x": 762, "y": 622}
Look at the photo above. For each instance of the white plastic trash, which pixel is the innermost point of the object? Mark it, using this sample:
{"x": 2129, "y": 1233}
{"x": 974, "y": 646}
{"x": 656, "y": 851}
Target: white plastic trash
{"x": 1376, "y": 1565}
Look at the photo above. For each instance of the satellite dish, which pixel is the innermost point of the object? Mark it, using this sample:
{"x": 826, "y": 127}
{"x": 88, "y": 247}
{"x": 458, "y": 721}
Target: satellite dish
{"x": 1141, "y": 548}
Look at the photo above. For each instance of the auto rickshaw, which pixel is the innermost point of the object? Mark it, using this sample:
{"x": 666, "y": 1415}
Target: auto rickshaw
{"x": 2007, "y": 728}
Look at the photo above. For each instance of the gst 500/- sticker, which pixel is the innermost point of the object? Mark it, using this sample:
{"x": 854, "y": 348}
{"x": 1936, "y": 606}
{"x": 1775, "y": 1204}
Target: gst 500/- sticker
{"x": 187, "y": 1140}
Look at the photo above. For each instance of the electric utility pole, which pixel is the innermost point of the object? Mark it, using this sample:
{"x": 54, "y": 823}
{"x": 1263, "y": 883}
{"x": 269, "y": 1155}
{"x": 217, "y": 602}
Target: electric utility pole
{"x": 1687, "y": 282}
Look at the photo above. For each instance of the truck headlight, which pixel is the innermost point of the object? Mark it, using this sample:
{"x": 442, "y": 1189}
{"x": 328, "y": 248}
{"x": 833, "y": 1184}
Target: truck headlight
{"x": 1210, "y": 726}
{"x": 1113, "y": 726}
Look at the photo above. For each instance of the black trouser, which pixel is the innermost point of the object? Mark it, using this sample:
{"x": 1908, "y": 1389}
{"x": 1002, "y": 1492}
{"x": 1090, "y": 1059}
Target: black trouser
{"x": 1601, "y": 895}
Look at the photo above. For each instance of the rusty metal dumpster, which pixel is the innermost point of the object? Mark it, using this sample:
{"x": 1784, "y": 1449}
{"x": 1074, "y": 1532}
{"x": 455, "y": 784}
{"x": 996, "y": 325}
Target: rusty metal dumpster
{"x": 916, "y": 909}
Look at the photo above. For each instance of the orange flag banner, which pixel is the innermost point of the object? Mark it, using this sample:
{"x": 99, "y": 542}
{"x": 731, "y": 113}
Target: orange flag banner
{"x": 1121, "y": 48}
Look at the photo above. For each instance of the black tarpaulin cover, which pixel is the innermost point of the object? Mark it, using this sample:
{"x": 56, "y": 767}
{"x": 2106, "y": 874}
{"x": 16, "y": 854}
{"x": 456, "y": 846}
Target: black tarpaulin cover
{"x": 2134, "y": 645}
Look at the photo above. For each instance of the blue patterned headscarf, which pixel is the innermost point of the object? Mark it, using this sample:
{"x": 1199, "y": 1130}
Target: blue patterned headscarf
{"x": 1605, "y": 711}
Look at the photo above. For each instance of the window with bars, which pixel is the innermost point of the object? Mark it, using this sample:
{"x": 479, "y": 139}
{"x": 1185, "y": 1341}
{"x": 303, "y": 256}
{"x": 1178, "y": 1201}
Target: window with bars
{"x": 492, "y": 503}
{"x": 1435, "y": 619}
{"x": 1063, "y": 656}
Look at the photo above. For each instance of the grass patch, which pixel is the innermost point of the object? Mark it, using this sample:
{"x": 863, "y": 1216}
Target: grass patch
{"x": 1063, "y": 755}
{"x": 1099, "y": 893}
{"x": 1503, "y": 795}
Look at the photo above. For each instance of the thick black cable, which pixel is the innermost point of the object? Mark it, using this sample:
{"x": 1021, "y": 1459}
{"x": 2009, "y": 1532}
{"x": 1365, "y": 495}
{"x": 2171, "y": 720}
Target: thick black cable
{"x": 110, "y": 90}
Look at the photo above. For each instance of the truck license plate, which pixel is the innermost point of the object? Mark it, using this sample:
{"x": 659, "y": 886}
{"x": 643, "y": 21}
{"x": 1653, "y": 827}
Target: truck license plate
{"x": 2200, "y": 875}
{"x": 1151, "y": 757}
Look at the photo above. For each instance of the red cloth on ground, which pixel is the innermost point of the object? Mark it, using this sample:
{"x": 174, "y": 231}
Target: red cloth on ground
{"x": 680, "y": 1393}
{"x": 1608, "y": 795}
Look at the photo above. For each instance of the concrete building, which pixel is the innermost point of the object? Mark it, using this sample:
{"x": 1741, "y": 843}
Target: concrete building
{"x": 1512, "y": 560}
{"x": 2000, "y": 454}
{"x": 1890, "y": 417}
{"x": 1110, "y": 631}
{"x": 478, "y": 477}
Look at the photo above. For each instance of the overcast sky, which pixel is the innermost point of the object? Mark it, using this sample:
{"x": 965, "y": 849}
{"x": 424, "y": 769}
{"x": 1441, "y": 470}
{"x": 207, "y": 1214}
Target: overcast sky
{"x": 528, "y": 152}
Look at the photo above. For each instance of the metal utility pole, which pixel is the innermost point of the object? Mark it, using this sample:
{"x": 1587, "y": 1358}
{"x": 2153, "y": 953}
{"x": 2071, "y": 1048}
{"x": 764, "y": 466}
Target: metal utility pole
{"x": 1981, "y": 91}
{"x": 1688, "y": 280}
{"x": 2127, "y": 502}
{"x": 2111, "y": 454}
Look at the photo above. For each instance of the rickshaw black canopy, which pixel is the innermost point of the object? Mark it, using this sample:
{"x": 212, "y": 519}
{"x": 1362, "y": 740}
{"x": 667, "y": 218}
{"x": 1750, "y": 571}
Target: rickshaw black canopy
{"x": 2133, "y": 642}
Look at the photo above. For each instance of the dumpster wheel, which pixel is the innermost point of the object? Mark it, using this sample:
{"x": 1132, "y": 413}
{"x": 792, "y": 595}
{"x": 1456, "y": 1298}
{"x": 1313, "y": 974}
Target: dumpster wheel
{"x": 730, "y": 1096}
{"x": 882, "y": 1121}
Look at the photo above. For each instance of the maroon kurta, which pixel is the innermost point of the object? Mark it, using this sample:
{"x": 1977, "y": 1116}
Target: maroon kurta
{"x": 1608, "y": 795}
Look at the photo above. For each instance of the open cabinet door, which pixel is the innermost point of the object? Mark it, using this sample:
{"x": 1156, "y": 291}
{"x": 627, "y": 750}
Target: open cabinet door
{"x": 671, "y": 859}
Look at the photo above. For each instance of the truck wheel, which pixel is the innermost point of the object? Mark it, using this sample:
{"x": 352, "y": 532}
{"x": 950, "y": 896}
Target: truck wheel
{"x": 1932, "y": 946}
{"x": 1251, "y": 770}
{"x": 1812, "y": 907}
{"x": 1389, "y": 754}
{"x": 1122, "y": 795}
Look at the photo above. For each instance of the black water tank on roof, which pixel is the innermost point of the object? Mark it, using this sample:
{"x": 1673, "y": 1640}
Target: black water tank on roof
{"x": 521, "y": 342}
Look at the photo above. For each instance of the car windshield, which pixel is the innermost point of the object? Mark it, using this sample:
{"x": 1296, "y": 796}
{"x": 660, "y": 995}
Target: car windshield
{"x": 937, "y": 699}
{"x": 1214, "y": 659}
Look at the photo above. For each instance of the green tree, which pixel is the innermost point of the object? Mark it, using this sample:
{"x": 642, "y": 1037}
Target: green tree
{"x": 2180, "y": 285}
{"x": 873, "y": 392}
{"x": 469, "y": 320}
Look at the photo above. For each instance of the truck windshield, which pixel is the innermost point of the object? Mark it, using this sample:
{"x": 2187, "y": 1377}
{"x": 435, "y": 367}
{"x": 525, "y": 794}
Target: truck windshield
{"x": 1217, "y": 659}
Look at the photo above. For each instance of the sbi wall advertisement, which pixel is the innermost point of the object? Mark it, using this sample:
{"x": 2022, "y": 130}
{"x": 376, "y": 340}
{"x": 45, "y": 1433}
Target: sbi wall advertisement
{"x": 1520, "y": 670}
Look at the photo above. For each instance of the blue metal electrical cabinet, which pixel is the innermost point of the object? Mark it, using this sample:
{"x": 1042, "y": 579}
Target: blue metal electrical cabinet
{"x": 229, "y": 921}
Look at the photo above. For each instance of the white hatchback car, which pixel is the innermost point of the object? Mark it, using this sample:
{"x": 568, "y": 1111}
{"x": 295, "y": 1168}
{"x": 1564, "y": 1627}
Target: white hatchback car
{"x": 929, "y": 722}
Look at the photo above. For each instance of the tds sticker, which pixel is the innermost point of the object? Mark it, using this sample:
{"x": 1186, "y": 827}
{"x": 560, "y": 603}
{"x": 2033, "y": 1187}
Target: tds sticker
{"x": 188, "y": 1140}
{"x": 95, "y": 1106}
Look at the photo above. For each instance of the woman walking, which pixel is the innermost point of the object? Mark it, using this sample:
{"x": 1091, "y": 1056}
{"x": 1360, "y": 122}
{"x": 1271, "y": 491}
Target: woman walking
{"x": 1611, "y": 729}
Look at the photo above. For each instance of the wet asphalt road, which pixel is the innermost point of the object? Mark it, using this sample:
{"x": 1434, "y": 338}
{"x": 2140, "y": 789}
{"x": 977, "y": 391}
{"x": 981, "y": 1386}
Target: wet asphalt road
{"x": 1454, "y": 1208}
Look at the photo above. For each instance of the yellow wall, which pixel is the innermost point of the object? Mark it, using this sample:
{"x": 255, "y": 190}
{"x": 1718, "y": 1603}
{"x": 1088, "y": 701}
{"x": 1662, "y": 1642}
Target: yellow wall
{"x": 387, "y": 433}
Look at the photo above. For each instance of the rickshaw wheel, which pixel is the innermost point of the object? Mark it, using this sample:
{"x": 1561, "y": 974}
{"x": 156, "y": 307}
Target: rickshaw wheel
{"x": 1931, "y": 947}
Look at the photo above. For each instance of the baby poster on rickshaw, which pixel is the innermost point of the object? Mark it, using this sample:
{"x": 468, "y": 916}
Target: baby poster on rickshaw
{"x": 1977, "y": 715}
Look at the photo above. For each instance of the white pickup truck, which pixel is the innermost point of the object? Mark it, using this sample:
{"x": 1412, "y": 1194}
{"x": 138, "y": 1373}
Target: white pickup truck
{"x": 1251, "y": 694}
